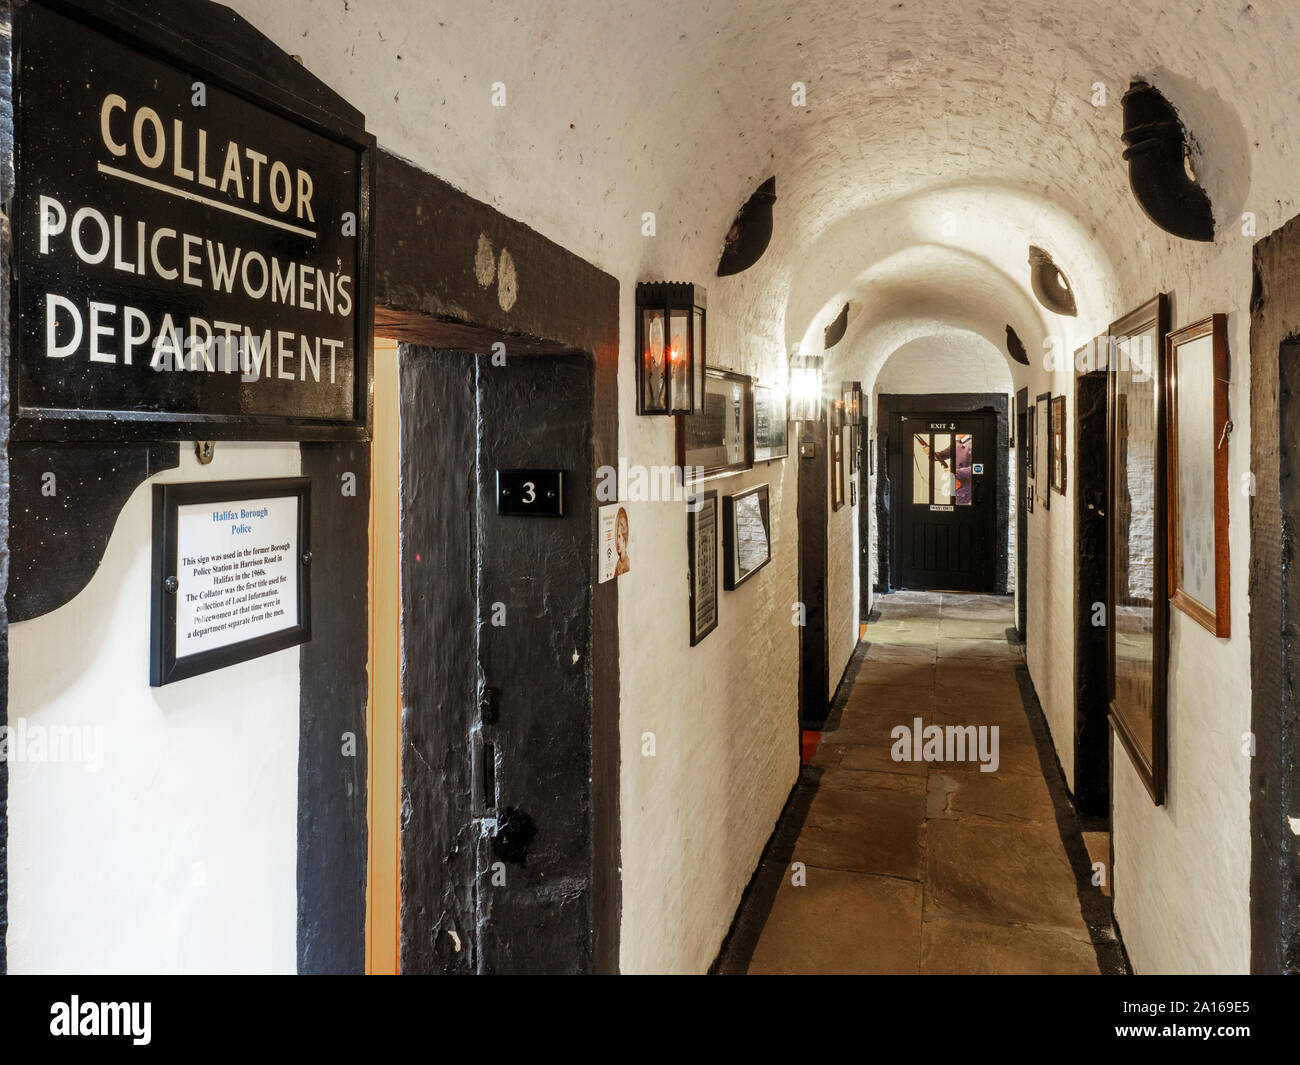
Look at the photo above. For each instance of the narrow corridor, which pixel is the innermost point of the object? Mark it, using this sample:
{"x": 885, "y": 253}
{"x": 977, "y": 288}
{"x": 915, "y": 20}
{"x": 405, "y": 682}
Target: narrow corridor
{"x": 934, "y": 866}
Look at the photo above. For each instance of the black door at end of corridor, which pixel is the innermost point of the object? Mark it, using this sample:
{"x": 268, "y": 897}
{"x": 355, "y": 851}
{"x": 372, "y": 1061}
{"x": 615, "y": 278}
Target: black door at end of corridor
{"x": 943, "y": 525}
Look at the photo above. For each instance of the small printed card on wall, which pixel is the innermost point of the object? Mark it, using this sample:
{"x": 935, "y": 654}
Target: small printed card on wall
{"x": 615, "y": 532}
{"x": 230, "y": 573}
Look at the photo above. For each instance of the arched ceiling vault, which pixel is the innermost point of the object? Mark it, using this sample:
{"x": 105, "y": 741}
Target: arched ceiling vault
{"x": 916, "y": 111}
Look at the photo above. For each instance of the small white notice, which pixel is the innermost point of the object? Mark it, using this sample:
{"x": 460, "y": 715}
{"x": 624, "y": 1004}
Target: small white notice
{"x": 236, "y": 571}
{"x": 613, "y": 543}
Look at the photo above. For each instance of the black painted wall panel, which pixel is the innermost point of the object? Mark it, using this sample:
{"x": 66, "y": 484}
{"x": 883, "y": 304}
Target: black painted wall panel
{"x": 1274, "y": 605}
{"x": 503, "y": 605}
{"x": 536, "y": 412}
{"x": 6, "y": 265}
{"x": 439, "y": 670}
{"x": 333, "y": 694}
{"x": 814, "y": 510}
{"x": 1089, "y": 473}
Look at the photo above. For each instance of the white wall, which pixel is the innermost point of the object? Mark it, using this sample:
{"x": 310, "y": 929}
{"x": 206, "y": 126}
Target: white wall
{"x": 178, "y": 854}
{"x": 724, "y": 714}
{"x": 915, "y": 206}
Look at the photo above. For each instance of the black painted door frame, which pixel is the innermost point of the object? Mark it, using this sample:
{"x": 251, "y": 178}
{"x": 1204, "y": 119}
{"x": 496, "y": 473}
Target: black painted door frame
{"x": 813, "y": 522}
{"x": 889, "y": 484}
{"x": 1274, "y": 359}
{"x": 1022, "y": 512}
{"x": 562, "y": 319}
{"x": 1089, "y": 469}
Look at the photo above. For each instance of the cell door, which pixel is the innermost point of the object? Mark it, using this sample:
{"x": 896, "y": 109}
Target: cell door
{"x": 945, "y": 521}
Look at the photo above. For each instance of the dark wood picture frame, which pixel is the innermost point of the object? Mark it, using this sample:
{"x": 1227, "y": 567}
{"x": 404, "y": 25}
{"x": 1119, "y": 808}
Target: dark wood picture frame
{"x": 1212, "y": 397}
{"x": 701, "y": 515}
{"x": 697, "y": 422}
{"x": 732, "y": 576}
{"x": 1056, "y": 444}
{"x": 1150, "y": 761}
{"x": 837, "y": 463}
{"x": 164, "y": 666}
{"x": 1045, "y": 398}
{"x": 1031, "y": 448}
{"x": 771, "y": 424}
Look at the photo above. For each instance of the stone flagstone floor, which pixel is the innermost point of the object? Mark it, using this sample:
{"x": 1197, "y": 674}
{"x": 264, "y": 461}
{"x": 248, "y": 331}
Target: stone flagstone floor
{"x": 916, "y": 867}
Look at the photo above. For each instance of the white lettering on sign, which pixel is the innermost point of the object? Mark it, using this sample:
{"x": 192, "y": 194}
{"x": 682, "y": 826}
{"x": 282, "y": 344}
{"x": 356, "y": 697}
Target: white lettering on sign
{"x": 142, "y": 135}
{"x": 237, "y": 567}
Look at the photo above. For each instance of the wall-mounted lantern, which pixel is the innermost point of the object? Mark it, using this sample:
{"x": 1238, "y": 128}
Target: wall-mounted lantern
{"x": 851, "y": 394}
{"x": 670, "y": 345}
{"x": 805, "y": 386}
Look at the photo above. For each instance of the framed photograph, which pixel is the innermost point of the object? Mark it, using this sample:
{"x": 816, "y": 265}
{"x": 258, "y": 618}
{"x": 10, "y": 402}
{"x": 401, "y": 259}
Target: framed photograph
{"x": 771, "y": 424}
{"x": 1137, "y": 600}
{"x": 1196, "y": 388}
{"x": 231, "y": 579}
{"x": 702, "y": 550}
{"x": 1031, "y": 445}
{"x": 1043, "y": 433}
{"x": 717, "y": 438}
{"x": 1056, "y": 443}
{"x": 836, "y": 442}
{"x": 746, "y": 535}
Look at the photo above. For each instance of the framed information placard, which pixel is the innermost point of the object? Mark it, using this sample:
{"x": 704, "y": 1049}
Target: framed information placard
{"x": 230, "y": 573}
{"x": 746, "y": 535}
{"x": 1197, "y": 428}
{"x": 702, "y": 549}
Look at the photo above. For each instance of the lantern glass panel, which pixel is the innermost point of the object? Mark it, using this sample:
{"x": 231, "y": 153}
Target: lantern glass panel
{"x": 697, "y": 359}
{"x": 679, "y": 361}
{"x": 653, "y": 377}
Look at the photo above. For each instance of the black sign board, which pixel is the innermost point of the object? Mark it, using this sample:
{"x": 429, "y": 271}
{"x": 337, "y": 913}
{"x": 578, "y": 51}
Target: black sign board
{"x": 192, "y": 255}
{"x": 531, "y": 493}
{"x": 231, "y": 569}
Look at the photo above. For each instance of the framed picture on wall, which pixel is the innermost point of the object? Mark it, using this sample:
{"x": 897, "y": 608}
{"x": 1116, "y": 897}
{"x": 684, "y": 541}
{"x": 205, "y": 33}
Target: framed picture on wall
{"x": 771, "y": 424}
{"x": 746, "y": 535}
{"x": 718, "y": 437}
{"x": 1031, "y": 445}
{"x": 1196, "y": 387}
{"x": 702, "y": 551}
{"x": 1043, "y": 439}
{"x": 836, "y": 441}
{"x": 1056, "y": 443}
{"x": 1137, "y": 607}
